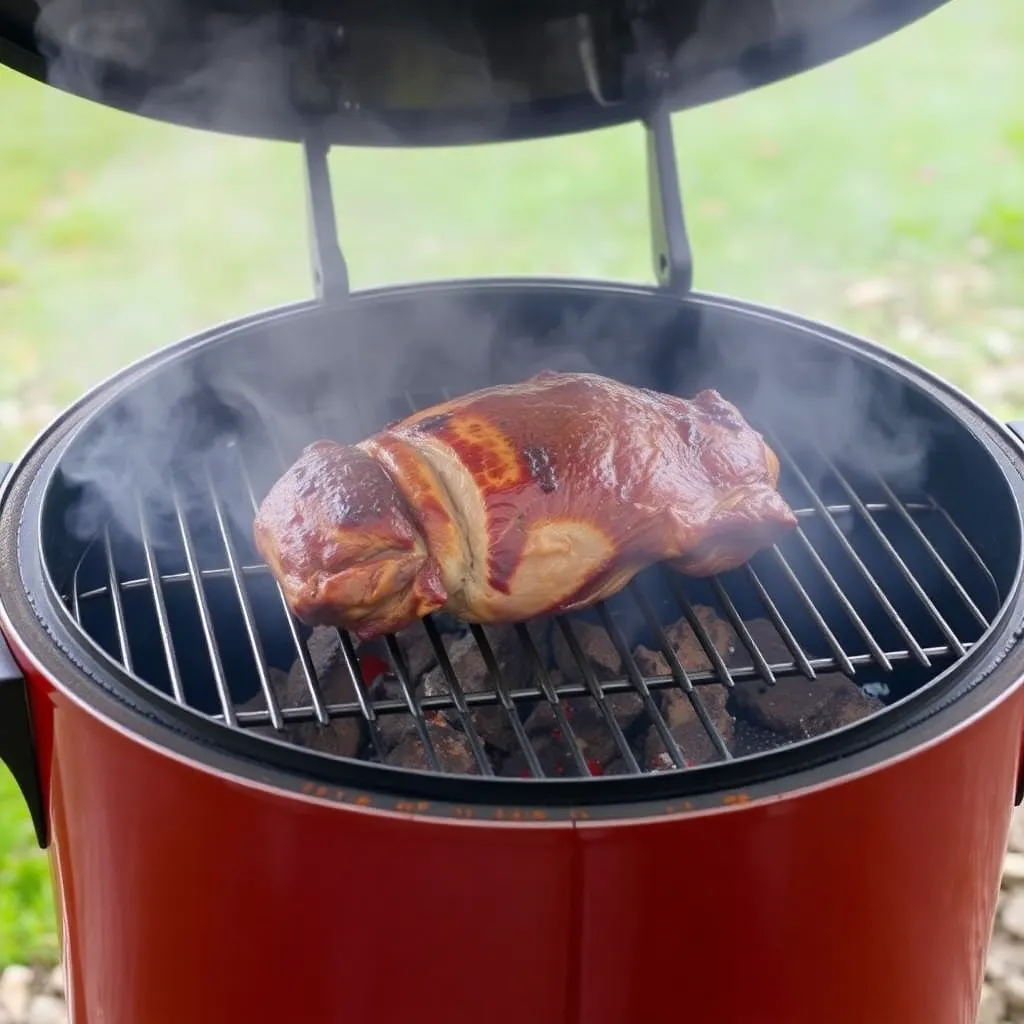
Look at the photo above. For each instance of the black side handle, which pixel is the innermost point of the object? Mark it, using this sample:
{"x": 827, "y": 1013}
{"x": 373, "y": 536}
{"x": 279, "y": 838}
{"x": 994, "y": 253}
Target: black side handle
{"x": 17, "y": 748}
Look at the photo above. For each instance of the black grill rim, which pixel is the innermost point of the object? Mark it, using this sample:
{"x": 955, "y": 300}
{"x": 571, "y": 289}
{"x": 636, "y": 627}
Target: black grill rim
{"x": 62, "y": 648}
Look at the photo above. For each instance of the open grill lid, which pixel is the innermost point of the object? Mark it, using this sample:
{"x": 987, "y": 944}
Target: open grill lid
{"x": 420, "y": 72}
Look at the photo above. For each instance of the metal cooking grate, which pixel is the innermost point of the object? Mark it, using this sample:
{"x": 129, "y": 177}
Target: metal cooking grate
{"x": 875, "y": 587}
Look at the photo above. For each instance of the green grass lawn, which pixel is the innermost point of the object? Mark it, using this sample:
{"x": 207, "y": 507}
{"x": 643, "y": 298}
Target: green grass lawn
{"x": 884, "y": 192}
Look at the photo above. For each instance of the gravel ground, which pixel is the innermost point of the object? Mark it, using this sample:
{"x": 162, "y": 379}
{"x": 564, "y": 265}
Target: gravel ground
{"x": 30, "y": 996}
{"x": 1003, "y": 998}
{"x": 36, "y": 996}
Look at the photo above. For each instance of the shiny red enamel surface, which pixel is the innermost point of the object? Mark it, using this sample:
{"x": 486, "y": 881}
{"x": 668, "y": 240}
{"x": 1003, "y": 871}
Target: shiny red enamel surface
{"x": 188, "y": 895}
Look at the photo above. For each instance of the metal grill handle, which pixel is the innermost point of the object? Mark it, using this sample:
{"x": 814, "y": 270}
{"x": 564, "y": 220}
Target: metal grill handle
{"x": 17, "y": 743}
{"x": 673, "y": 258}
{"x": 670, "y": 244}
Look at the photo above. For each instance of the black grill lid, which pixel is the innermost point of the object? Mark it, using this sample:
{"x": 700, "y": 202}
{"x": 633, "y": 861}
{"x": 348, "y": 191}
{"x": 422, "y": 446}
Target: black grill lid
{"x": 416, "y": 72}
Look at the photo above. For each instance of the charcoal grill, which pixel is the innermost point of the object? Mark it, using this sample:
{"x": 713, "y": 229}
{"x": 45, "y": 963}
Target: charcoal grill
{"x": 179, "y": 568}
{"x": 823, "y": 745}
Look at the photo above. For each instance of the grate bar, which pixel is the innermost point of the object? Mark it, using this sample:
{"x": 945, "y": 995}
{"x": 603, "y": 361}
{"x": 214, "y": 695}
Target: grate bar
{"x": 890, "y": 550}
{"x": 402, "y": 675}
{"x": 540, "y": 673}
{"x": 262, "y": 668}
{"x": 308, "y": 671}
{"x": 851, "y": 553}
{"x": 174, "y": 577}
{"x": 844, "y": 659}
{"x": 948, "y": 573}
{"x": 871, "y": 506}
{"x": 781, "y": 626}
{"x": 76, "y": 607}
{"x": 637, "y": 679}
{"x": 597, "y": 692}
{"x": 535, "y": 687}
{"x": 801, "y": 663}
{"x": 116, "y": 603}
{"x": 260, "y": 569}
{"x": 679, "y": 674}
{"x": 713, "y": 653}
{"x": 205, "y": 619}
{"x": 740, "y": 628}
{"x": 532, "y": 761}
{"x": 458, "y": 698}
{"x": 565, "y": 692}
{"x": 366, "y": 708}
{"x": 968, "y": 546}
{"x": 160, "y": 605}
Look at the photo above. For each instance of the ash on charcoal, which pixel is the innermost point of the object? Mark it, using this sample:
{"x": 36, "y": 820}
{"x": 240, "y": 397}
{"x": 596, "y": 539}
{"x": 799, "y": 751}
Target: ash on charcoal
{"x": 473, "y": 676}
{"x": 342, "y": 736}
{"x": 800, "y": 708}
{"x": 454, "y": 754}
{"x": 596, "y": 646}
{"x": 880, "y": 690}
{"x": 689, "y": 732}
{"x": 768, "y": 641}
{"x": 752, "y": 739}
{"x": 393, "y": 727}
{"x": 684, "y": 642}
{"x": 651, "y": 663}
{"x": 417, "y": 650}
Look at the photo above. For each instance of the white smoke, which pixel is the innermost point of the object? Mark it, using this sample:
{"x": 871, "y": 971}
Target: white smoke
{"x": 340, "y": 372}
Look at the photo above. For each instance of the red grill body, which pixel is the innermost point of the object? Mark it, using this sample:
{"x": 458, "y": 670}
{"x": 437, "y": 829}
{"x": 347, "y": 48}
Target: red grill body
{"x": 873, "y": 897}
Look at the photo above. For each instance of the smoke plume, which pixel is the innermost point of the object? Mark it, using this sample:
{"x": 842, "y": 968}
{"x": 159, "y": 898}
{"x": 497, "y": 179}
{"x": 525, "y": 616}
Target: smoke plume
{"x": 345, "y": 373}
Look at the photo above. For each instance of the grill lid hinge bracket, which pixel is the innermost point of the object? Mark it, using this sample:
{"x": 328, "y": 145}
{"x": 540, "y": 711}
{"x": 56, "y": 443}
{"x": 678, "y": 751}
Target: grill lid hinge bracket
{"x": 673, "y": 260}
{"x": 330, "y": 274}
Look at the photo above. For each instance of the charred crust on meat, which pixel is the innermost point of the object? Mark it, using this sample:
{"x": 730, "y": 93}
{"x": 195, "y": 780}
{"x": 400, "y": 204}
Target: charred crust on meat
{"x": 538, "y": 461}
